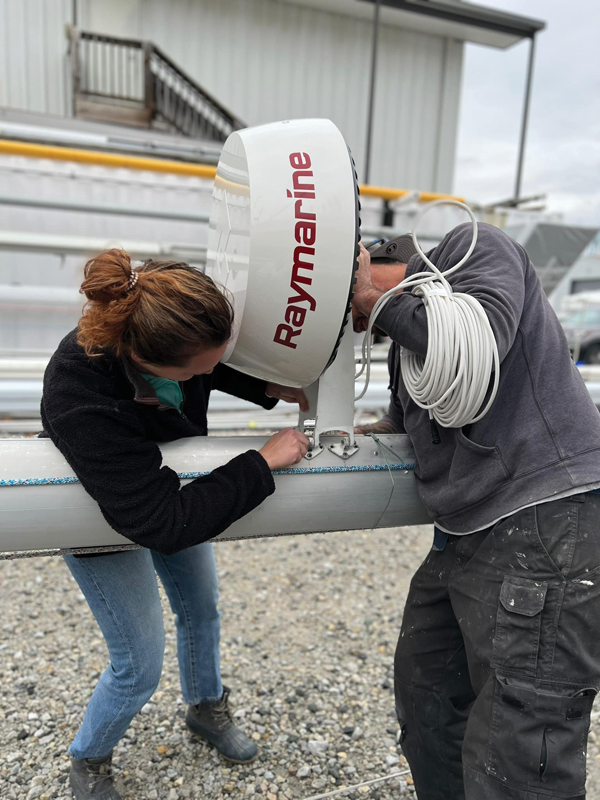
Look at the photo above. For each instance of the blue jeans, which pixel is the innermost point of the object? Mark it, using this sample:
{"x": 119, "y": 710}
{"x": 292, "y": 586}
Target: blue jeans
{"x": 122, "y": 592}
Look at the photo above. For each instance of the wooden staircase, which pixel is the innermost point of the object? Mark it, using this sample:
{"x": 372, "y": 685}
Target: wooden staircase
{"x": 131, "y": 82}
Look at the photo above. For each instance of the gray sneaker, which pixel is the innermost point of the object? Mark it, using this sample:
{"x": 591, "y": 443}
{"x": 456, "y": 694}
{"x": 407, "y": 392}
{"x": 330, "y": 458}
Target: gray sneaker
{"x": 213, "y": 722}
{"x": 93, "y": 778}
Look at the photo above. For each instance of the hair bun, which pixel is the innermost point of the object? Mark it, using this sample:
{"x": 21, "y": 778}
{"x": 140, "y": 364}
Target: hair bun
{"x": 108, "y": 276}
{"x": 164, "y": 312}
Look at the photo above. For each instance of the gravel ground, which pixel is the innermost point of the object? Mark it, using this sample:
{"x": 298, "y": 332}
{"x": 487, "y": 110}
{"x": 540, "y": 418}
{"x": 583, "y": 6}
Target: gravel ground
{"x": 309, "y": 630}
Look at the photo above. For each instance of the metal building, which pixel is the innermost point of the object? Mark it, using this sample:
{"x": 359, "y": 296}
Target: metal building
{"x": 387, "y": 72}
{"x": 275, "y": 59}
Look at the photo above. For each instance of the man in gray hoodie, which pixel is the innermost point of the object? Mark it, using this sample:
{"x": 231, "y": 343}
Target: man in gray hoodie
{"x": 498, "y": 660}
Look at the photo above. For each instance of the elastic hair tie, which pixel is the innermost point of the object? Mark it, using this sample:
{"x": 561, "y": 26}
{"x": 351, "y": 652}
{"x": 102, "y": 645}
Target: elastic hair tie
{"x": 133, "y": 279}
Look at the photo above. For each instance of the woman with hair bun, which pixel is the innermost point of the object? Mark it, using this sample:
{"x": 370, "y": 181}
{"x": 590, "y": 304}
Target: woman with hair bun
{"x": 138, "y": 370}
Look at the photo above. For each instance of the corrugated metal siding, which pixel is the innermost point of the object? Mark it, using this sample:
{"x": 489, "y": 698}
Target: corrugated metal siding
{"x": 39, "y": 178}
{"x": 42, "y": 328}
{"x": 265, "y": 60}
{"x": 33, "y": 55}
{"x": 268, "y": 60}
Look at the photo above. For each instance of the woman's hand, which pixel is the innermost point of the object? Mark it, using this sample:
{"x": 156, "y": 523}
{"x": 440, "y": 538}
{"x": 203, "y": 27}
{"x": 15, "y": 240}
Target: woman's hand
{"x": 285, "y": 448}
{"x": 288, "y": 394}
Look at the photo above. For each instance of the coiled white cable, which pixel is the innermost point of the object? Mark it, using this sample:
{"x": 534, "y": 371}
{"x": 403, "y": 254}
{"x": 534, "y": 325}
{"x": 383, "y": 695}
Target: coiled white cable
{"x": 451, "y": 382}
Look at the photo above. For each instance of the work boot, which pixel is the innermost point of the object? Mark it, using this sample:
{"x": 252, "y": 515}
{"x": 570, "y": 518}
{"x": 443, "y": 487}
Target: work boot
{"x": 93, "y": 778}
{"x": 212, "y": 721}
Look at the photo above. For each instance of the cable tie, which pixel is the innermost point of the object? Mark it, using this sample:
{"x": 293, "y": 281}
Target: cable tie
{"x": 438, "y": 290}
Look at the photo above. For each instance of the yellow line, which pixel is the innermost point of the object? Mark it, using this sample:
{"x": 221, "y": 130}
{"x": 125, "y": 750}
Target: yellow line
{"x": 12, "y": 148}
{"x": 387, "y": 193}
{"x": 105, "y": 159}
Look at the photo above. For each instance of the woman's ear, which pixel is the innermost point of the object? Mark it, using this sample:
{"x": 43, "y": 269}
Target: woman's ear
{"x": 135, "y": 357}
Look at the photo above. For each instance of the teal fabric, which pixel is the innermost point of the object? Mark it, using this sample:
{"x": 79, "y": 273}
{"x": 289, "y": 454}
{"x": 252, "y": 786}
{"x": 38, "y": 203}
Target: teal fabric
{"x": 168, "y": 391}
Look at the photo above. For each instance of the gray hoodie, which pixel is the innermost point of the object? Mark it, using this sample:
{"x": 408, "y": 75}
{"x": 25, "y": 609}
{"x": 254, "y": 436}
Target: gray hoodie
{"x": 541, "y": 437}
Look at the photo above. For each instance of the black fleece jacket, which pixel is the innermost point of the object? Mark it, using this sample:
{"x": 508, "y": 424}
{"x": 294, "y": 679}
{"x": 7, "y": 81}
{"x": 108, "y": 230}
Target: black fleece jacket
{"x": 106, "y": 419}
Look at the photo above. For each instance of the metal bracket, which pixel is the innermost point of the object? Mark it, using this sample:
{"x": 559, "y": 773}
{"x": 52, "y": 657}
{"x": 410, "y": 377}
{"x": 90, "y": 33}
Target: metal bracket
{"x": 344, "y": 449}
{"x": 309, "y": 432}
{"x": 313, "y": 452}
{"x": 331, "y": 404}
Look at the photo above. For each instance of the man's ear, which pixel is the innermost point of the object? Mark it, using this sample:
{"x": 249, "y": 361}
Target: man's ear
{"x": 135, "y": 357}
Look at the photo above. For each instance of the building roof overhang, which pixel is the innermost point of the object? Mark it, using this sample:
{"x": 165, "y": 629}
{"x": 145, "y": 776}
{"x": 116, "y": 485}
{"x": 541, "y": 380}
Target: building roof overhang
{"x": 467, "y": 22}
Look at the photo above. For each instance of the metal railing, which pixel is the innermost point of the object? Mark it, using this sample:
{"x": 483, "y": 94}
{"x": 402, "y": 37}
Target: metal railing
{"x": 133, "y": 81}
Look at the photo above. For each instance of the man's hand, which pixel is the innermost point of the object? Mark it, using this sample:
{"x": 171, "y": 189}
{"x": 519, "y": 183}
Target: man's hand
{"x": 365, "y": 294}
{"x": 288, "y": 394}
{"x": 285, "y": 448}
{"x": 381, "y": 426}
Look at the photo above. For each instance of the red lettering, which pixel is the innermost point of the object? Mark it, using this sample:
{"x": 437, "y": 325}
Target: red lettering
{"x": 302, "y": 296}
{"x": 295, "y": 315}
{"x": 299, "y": 264}
{"x": 307, "y": 187}
{"x": 306, "y": 236}
{"x": 284, "y": 335}
{"x": 300, "y": 161}
{"x": 303, "y": 214}
{"x": 306, "y": 232}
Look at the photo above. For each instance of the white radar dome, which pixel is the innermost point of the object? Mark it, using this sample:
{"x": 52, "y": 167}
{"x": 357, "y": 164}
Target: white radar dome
{"x": 283, "y": 240}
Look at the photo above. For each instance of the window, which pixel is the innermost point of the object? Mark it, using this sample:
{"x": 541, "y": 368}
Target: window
{"x": 590, "y": 285}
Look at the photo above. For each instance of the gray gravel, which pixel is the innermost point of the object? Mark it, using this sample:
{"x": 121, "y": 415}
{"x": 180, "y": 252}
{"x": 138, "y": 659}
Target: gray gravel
{"x": 309, "y": 630}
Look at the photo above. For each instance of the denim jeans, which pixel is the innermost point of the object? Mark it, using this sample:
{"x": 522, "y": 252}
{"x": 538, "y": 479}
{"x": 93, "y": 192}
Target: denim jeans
{"x": 498, "y": 660}
{"x": 122, "y": 593}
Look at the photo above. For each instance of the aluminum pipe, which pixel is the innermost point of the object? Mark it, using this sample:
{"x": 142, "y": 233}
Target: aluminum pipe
{"x": 44, "y": 507}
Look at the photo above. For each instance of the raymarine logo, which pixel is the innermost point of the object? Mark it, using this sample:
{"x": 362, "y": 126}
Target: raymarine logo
{"x": 303, "y": 262}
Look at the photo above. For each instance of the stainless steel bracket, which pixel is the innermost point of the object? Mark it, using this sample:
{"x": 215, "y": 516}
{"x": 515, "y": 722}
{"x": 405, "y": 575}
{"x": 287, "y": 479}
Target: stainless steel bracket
{"x": 331, "y": 404}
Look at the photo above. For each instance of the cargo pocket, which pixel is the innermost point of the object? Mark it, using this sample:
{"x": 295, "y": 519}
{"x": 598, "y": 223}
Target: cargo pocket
{"x": 538, "y": 738}
{"x": 518, "y": 621}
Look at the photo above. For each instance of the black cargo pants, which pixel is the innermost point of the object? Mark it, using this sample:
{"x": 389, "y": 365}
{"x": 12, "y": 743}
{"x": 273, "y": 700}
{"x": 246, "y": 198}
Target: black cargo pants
{"x": 498, "y": 660}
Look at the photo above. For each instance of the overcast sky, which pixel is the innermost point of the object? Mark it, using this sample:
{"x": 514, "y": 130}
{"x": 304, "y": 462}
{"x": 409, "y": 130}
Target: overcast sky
{"x": 562, "y": 157}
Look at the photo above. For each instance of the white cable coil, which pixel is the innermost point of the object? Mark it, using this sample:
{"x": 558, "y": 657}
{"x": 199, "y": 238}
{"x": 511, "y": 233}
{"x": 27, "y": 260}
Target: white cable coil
{"x": 452, "y": 381}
